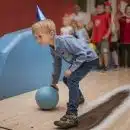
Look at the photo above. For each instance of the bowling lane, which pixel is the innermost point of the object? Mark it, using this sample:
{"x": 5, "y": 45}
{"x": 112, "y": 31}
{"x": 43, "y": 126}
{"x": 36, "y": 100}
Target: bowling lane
{"x": 21, "y": 112}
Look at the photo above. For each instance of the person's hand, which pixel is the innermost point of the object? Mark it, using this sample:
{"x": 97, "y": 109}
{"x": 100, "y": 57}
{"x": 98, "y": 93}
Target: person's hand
{"x": 89, "y": 40}
{"x": 55, "y": 86}
{"x": 67, "y": 73}
{"x": 105, "y": 37}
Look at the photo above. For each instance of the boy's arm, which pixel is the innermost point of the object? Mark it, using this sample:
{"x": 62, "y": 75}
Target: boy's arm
{"x": 109, "y": 28}
{"x": 89, "y": 26}
{"x": 57, "y": 63}
{"x": 86, "y": 34}
{"x": 76, "y": 49}
{"x": 90, "y": 23}
{"x": 116, "y": 20}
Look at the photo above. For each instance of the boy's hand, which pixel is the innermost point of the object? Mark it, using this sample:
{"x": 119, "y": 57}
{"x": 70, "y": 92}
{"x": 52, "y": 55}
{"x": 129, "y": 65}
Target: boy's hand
{"x": 67, "y": 73}
{"x": 105, "y": 37}
{"x": 55, "y": 87}
{"x": 89, "y": 40}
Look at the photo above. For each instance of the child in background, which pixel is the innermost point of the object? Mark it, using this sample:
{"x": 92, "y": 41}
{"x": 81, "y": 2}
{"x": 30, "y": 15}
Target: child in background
{"x": 101, "y": 32}
{"x": 74, "y": 26}
{"x": 81, "y": 59}
{"x": 81, "y": 31}
{"x": 114, "y": 35}
{"x": 79, "y": 14}
{"x": 124, "y": 29}
{"x": 66, "y": 29}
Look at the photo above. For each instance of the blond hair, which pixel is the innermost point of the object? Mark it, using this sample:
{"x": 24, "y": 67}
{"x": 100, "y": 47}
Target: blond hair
{"x": 67, "y": 30}
{"x": 44, "y": 26}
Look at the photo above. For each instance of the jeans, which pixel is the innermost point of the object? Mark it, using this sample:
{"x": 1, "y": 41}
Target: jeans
{"x": 72, "y": 83}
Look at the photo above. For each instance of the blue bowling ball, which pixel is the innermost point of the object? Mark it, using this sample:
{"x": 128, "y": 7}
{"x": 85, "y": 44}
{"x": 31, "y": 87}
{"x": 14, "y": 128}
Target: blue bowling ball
{"x": 47, "y": 98}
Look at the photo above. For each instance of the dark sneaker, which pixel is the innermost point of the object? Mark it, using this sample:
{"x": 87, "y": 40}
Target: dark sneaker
{"x": 105, "y": 69}
{"x": 100, "y": 68}
{"x": 67, "y": 121}
{"x": 81, "y": 100}
{"x": 116, "y": 67}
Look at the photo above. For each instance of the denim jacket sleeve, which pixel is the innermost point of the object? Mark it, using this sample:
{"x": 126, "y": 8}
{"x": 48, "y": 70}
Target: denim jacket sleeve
{"x": 57, "y": 64}
{"x": 76, "y": 49}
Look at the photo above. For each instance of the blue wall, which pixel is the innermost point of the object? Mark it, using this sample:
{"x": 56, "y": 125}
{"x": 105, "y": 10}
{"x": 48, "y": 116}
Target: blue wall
{"x": 24, "y": 64}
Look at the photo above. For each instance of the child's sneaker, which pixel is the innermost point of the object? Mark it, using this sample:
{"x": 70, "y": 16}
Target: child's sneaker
{"x": 116, "y": 67}
{"x": 69, "y": 120}
{"x": 105, "y": 69}
{"x": 100, "y": 68}
{"x": 81, "y": 100}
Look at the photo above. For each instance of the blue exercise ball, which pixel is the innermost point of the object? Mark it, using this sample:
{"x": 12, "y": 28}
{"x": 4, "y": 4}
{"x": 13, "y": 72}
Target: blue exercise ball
{"x": 47, "y": 98}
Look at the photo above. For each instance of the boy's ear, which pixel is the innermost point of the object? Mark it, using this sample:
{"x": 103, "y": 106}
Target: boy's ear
{"x": 52, "y": 33}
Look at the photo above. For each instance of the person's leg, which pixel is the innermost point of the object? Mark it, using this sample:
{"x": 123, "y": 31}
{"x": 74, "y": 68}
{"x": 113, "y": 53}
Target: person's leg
{"x": 128, "y": 58}
{"x": 111, "y": 59}
{"x": 101, "y": 61}
{"x": 127, "y": 48}
{"x": 122, "y": 55}
{"x": 100, "y": 65}
{"x": 125, "y": 55}
{"x": 119, "y": 52}
{"x": 115, "y": 57}
{"x": 70, "y": 118}
{"x": 115, "y": 54}
{"x": 105, "y": 53}
{"x": 73, "y": 83}
{"x": 81, "y": 97}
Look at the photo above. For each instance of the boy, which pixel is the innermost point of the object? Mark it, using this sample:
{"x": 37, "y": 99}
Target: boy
{"x": 114, "y": 36}
{"x": 66, "y": 29}
{"x": 81, "y": 31}
{"x": 79, "y": 14}
{"x": 124, "y": 31}
{"x": 101, "y": 31}
{"x": 74, "y": 51}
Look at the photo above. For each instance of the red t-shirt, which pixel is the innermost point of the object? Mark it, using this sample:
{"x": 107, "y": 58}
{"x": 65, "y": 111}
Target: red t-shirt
{"x": 101, "y": 25}
{"x": 124, "y": 29}
{"x": 110, "y": 18}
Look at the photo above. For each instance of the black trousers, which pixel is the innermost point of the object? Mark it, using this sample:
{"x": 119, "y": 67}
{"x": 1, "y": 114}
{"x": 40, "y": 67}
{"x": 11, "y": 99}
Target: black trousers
{"x": 124, "y": 55}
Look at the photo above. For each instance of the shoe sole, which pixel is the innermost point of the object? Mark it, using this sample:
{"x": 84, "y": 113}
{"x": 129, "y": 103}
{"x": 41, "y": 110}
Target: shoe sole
{"x": 64, "y": 126}
{"x": 81, "y": 102}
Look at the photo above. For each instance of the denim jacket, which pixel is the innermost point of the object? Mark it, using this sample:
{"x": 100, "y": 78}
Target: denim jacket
{"x": 73, "y": 51}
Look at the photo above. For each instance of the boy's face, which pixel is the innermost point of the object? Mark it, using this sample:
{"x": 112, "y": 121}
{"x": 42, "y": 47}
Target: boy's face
{"x": 107, "y": 9}
{"x": 128, "y": 11}
{"x": 76, "y": 9}
{"x": 42, "y": 38}
{"x": 100, "y": 9}
{"x": 66, "y": 21}
{"x": 74, "y": 24}
{"x": 79, "y": 24}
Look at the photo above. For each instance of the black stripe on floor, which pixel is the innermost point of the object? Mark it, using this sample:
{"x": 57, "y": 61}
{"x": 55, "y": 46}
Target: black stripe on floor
{"x": 96, "y": 115}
